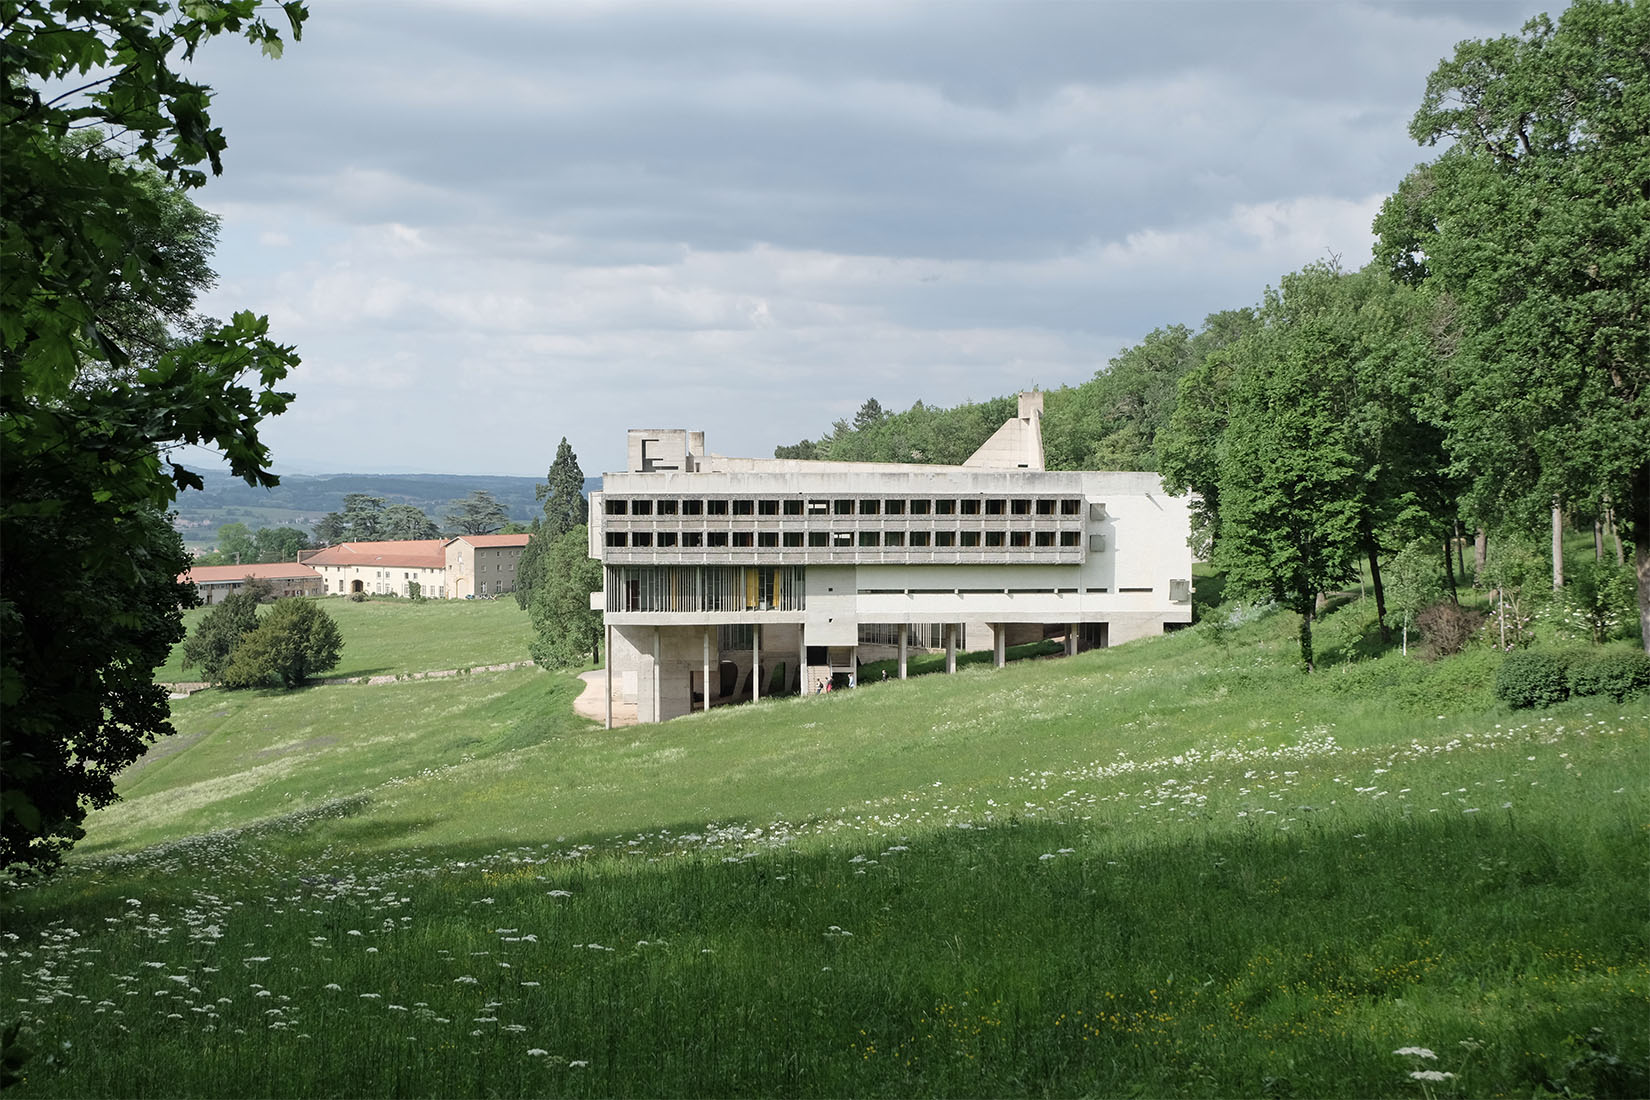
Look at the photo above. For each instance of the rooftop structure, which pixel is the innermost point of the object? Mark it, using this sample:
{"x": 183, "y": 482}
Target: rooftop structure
{"x": 727, "y": 578}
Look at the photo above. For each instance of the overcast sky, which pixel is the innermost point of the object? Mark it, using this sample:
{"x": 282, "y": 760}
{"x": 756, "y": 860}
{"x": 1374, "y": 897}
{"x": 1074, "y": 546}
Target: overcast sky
{"x": 488, "y": 225}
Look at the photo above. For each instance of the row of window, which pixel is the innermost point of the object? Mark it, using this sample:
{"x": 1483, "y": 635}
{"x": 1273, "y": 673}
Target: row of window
{"x": 705, "y": 588}
{"x": 845, "y": 506}
{"x": 741, "y": 540}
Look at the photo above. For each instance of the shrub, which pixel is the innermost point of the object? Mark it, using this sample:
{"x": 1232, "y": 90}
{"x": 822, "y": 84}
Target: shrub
{"x": 294, "y": 641}
{"x": 1617, "y": 675}
{"x": 216, "y": 636}
{"x": 1448, "y": 627}
{"x": 358, "y": 596}
{"x": 1531, "y": 678}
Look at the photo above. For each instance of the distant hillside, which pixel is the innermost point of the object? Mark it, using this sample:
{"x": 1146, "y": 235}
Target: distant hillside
{"x": 301, "y": 499}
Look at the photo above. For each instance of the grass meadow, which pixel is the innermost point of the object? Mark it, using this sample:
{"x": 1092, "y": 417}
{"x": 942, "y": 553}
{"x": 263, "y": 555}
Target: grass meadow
{"x": 1172, "y": 868}
{"x": 392, "y": 636}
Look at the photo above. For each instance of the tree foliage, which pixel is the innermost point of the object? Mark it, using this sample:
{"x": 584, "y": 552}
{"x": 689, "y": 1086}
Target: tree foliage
{"x": 480, "y": 513}
{"x": 1535, "y": 222}
{"x": 293, "y": 642}
{"x": 565, "y": 631}
{"x": 92, "y": 394}
{"x": 215, "y": 637}
{"x": 565, "y": 509}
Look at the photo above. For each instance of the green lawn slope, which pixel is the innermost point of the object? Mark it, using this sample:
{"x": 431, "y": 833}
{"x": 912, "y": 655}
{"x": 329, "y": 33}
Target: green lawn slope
{"x": 1172, "y": 868}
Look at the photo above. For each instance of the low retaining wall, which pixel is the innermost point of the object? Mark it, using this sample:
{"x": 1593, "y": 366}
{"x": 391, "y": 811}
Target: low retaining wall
{"x": 180, "y": 690}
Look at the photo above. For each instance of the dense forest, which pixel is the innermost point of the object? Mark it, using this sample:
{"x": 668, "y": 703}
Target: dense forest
{"x": 1485, "y": 377}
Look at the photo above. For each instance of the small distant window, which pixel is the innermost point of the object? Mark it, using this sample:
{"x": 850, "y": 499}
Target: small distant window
{"x": 742, "y": 540}
{"x": 970, "y": 538}
{"x": 818, "y": 538}
{"x": 870, "y": 538}
{"x": 667, "y": 507}
{"x": 1071, "y": 538}
{"x": 641, "y": 538}
{"x": 716, "y": 507}
{"x": 693, "y": 507}
{"x": 1019, "y": 507}
{"x": 767, "y": 538}
{"x": 818, "y": 507}
{"x": 716, "y": 538}
{"x": 617, "y": 507}
{"x": 893, "y": 507}
{"x": 667, "y": 538}
{"x": 641, "y": 507}
{"x": 919, "y": 538}
{"x": 893, "y": 538}
{"x": 970, "y": 507}
{"x": 1045, "y": 538}
{"x": 996, "y": 507}
{"x": 793, "y": 507}
{"x": 1019, "y": 538}
{"x": 618, "y": 538}
{"x": 1071, "y": 507}
{"x": 945, "y": 538}
{"x": 994, "y": 538}
{"x": 793, "y": 538}
{"x": 768, "y": 507}
{"x": 744, "y": 507}
{"x": 1045, "y": 506}
{"x": 842, "y": 538}
{"x": 945, "y": 507}
{"x": 842, "y": 507}
{"x": 693, "y": 539}
{"x": 870, "y": 507}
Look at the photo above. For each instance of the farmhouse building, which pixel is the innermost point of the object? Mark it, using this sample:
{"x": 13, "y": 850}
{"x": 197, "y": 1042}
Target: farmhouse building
{"x": 215, "y": 582}
{"x": 456, "y": 568}
{"x": 726, "y": 578}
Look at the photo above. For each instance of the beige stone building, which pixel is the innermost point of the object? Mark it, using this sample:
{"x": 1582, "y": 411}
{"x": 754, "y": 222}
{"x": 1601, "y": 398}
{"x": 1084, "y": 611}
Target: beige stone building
{"x": 214, "y": 582}
{"x": 728, "y": 578}
{"x": 456, "y": 568}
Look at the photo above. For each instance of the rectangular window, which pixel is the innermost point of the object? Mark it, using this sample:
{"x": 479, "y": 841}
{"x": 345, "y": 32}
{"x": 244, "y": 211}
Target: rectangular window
{"x": 793, "y": 538}
{"x": 893, "y": 507}
{"x": 641, "y": 538}
{"x": 716, "y": 539}
{"x": 744, "y": 507}
{"x": 666, "y": 507}
{"x": 893, "y": 538}
{"x": 870, "y": 538}
{"x": 1019, "y": 507}
{"x": 1071, "y": 538}
{"x": 945, "y": 538}
{"x": 920, "y": 507}
{"x": 1071, "y": 506}
{"x": 693, "y": 507}
{"x": 994, "y": 538}
{"x": 767, "y": 507}
{"x": 970, "y": 507}
{"x": 693, "y": 539}
{"x": 1019, "y": 538}
{"x": 716, "y": 507}
{"x": 945, "y": 507}
{"x": 842, "y": 538}
{"x": 616, "y": 507}
{"x": 970, "y": 538}
{"x": 818, "y": 538}
{"x": 742, "y": 540}
{"x": 667, "y": 538}
{"x": 996, "y": 506}
{"x": 793, "y": 507}
{"x": 1045, "y": 506}
{"x": 641, "y": 507}
{"x": 842, "y": 507}
{"x": 767, "y": 538}
{"x": 618, "y": 538}
{"x": 870, "y": 507}
{"x": 1045, "y": 538}
{"x": 920, "y": 538}
{"x": 819, "y": 507}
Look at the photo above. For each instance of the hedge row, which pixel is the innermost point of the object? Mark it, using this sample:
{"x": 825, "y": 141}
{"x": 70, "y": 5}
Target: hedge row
{"x": 1536, "y": 678}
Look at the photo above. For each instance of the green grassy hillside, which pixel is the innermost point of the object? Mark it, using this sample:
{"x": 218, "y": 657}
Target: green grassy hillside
{"x": 1170, "y": 868}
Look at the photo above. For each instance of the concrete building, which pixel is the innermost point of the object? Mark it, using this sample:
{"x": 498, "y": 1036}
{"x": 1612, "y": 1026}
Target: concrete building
{"x": 456, "y": 568}
{"x": 214, "y": 582}
{"x": 731, "y": 578}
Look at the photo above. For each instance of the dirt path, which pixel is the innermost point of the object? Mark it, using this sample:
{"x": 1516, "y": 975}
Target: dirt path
{"x": 589, "y": 702}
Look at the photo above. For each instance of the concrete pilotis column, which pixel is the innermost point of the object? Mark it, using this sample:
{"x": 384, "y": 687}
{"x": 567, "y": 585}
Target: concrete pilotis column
{"x": 707, "y": 669}
{"x": 950, "y": 647}
{"x": 904, "y": 638}
{"x": 1071, "y": 639}
{"x": 657, "y": 661}
{"x": 607, "y": 659}
{"x": 756, "y": 663}
{"x": 801, "y": 662}
{"x": 999, "y": 644}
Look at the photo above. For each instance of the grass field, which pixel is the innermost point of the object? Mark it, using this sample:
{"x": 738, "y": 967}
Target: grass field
{"x": 1173, "y": 868}
{"x": 386, "y": 636}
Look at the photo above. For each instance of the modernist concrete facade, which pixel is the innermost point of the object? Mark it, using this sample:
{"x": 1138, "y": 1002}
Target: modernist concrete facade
{"x": 469, "y": 565}
{"x": 727, "y": 578}
{"x": 215, "y": 582}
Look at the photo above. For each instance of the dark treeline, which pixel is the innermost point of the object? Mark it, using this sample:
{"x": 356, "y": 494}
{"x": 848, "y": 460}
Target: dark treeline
{"x": 1485, "y": 377}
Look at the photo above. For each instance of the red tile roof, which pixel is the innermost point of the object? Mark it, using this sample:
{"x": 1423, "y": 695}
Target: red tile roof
{"x": 273, "y": 571}
{"x": 496, "y": 540}
{"x": 401, "y": 554}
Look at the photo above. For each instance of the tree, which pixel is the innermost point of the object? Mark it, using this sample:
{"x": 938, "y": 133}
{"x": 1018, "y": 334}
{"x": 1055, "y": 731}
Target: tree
{"x": 565, "y": 630}
{"x": 361, "y": 519}
{"x": 216, "y": 636}
{"x": 294, "y": 641}
{"x": 236, "y": 545}
{"x": 1535, "y": 221}
{"x": 279, "y": 544}
{"x": 1412, "y": 583}
{"x": 406, "y": 521}
{"x": 869, "y": 415}
{"x": 477, "y": 514}
{"x": 91, "y": 401}
{"x": 565, "y": 505}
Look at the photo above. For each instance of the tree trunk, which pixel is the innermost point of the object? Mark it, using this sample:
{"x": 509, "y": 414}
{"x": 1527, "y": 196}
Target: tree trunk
{"x": 1558, "y": 546}
{"x": 1480, "y": 556}
{"x": 1449, "y": 571}
{"x": 1306, "y": 629}
{"x": 1638, "y": 519}
{"x": 1319, "y": 604}
{"x": 1375, "y": 579}
{"x": 1615, "y": 533}
{"x": 1598, "y": 540}
{"x": 1460, "y": 552}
